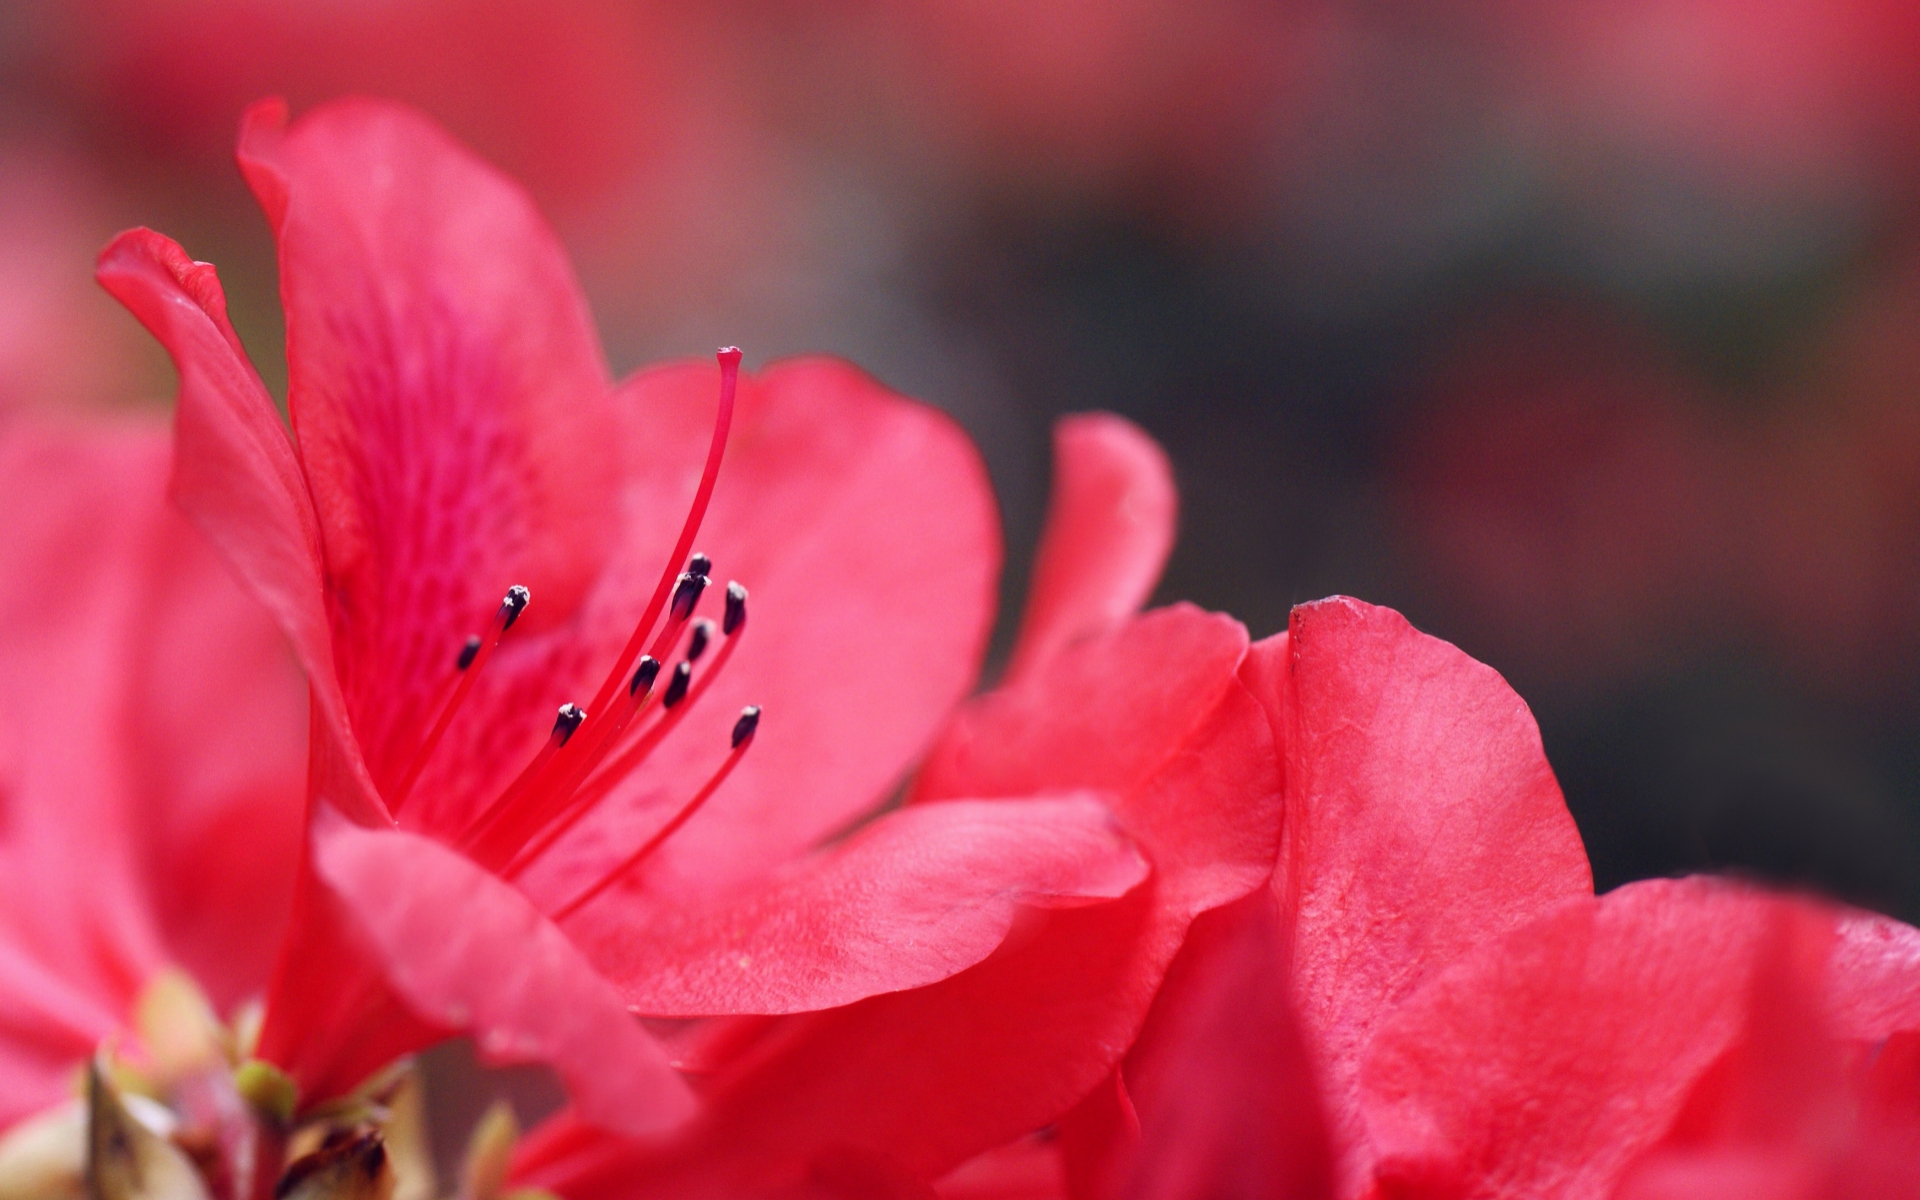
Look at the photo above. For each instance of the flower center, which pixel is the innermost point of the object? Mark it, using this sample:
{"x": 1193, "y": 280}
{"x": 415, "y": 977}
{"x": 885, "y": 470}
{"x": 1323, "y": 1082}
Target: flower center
{"x": 591, "y": 750}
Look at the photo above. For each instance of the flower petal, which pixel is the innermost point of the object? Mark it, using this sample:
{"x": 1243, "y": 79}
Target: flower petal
{"x": 863, "y": 525}
{"x": 1152, "y": 715}
{"x": 448, "y": 392}
{"x": 1128, "y": 714}
{"x": 77, "y": 582}
{"x": 907, "y": 901}
{"x": 1109, "y": 529}
{"x": 236, "y": 477}
{"x": 1228, "y": 1104}
{"x": 1547, "y": 1062}
{"x": 465, "y": 952}
{"x": 1774, "y": 1112}
{"x": 119, "y": 764}
{"x": 179, "y": 718}
{"x": 1422, "y": 819}
{"x": 1029, "y": 1169}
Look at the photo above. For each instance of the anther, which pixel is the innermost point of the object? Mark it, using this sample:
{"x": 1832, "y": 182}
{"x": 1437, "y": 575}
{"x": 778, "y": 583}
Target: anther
{"x": 569, "y": 720}
{"x": 742, "y": 738}
{"x": 743, "y": 729}
{"x": 736, "y": 614}
{"x": 697, "y": 641}
{"x": 677, "y": 686}
{"x": 644, "y": 675}
{"x": 513, "y": 605}
{"x": 467, "y": 653}
{"x": 700, "y": 565}
{"x": 686, "y": 594}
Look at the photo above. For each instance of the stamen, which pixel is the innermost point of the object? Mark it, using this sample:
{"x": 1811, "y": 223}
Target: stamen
{"x": 677, "y": 686}
{"x": 644, "y": 675}
{"x": 686, "y": 594}
{"x": 729, "y": 357}
{"x": 736, "y": 614}
{"x": 743, "y": 731}
{"x": 601, "y": 781}
{"x": 569, "y": 720}
{"x": 548, "y": 796}
{"x": 514, "y": 603}
{"x": 746, "y": 726}
{"x": 558, "y": 802}
{"x": 564, "y": 724}
{"x": 467, "y": 652}
{"x": 703, "y": 631}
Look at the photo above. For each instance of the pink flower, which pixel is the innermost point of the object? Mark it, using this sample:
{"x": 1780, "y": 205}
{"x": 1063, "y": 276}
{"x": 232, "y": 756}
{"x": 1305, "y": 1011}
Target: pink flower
{"x": 1150, "y": 711}
{"x": 471, "y": 863}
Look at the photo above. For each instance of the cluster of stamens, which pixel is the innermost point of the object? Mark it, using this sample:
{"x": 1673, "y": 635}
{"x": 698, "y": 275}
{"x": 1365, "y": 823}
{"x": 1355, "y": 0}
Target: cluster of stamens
{"x": 591, "y": 750}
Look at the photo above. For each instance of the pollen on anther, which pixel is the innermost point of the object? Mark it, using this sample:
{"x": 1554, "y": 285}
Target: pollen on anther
{"x": 513, "y": 605}
{"x": 468, "y": 653}
{"x": 700, "y": 565}
{"x": 744, "y": 728}
{"x": 677, "y": 685}
{"x": 736, "y": 614}
{"x": 567, "y": 721}
{"x": 644, "y": 675}
{"x": 698, "y": 640}
{"x": 686, "y": 594}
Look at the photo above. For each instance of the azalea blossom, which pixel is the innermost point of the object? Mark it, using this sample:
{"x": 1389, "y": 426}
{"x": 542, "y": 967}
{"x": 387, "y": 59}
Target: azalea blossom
{"x": 1150, "y": 711}
{"x": 1421, "y": 821}
{"x": 458, "y": 440}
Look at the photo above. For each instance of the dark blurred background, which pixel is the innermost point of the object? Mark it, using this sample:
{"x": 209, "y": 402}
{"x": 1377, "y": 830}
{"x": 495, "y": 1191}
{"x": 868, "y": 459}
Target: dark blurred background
{"x": 1585, "y": 333}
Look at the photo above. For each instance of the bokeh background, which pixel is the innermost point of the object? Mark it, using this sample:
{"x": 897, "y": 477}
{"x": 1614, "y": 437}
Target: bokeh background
{"x": 1586, "y": 333}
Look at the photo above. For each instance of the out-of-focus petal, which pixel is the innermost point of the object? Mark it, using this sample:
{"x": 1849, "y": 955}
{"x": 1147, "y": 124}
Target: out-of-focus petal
{"x": 1549, "y": 1061}
{"x": 47, "y": 1026}
{"x": 907, "y": 901}
{"x": 147, "y": 705}
{"x": 1109, "y": 529}
{"x": 1793, "y": 1109}
{"x": 1029, "y": 1169}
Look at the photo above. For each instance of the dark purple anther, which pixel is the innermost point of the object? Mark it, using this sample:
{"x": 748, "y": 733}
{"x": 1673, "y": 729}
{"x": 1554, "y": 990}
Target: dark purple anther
{"x": 514, "y": 604}
{"x": 697, "y": 642}
{"x": 686, "y": 594}
{"x": 569, "y": 720}
{"x": 677, "y": 685}
{"x": 644, "y": 675}
{"x": 736, "y": 614}
{"x": 743, "y": 729}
